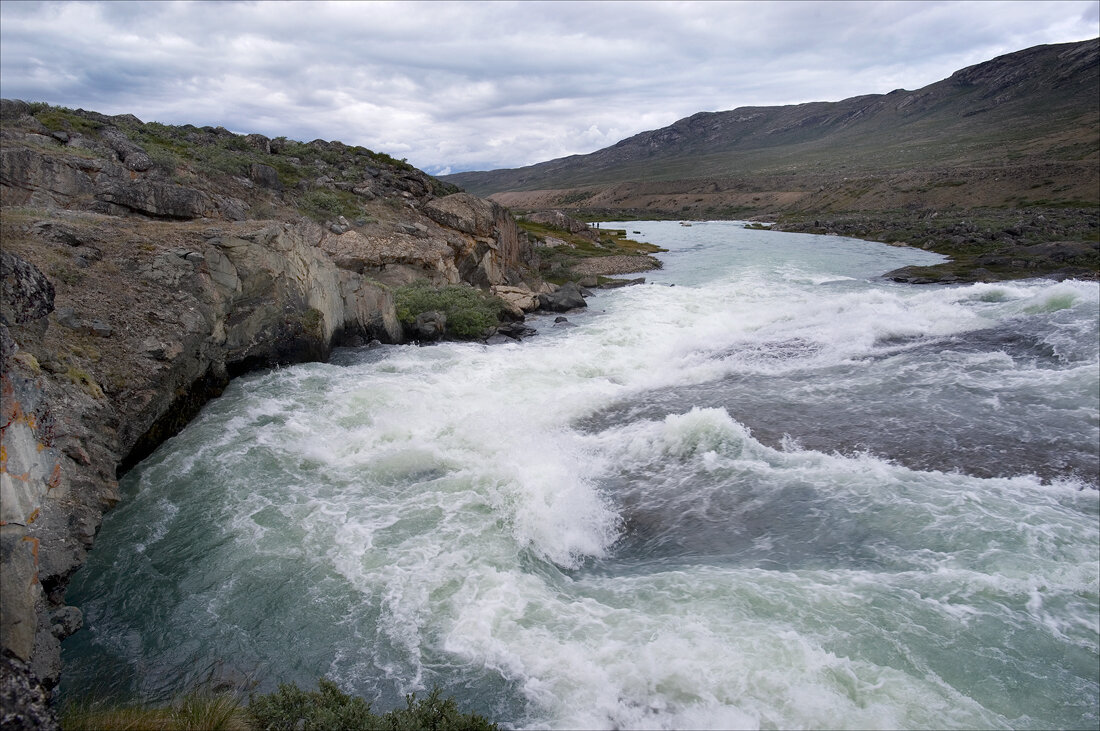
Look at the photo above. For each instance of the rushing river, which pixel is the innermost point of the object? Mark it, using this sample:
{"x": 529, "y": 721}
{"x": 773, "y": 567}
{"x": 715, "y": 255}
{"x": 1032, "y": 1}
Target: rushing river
{"x": 766, "y": 489}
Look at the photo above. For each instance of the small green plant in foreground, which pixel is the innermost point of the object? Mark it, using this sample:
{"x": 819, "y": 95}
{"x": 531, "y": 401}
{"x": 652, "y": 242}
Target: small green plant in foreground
{"x": 292, "y": 709}
{"x": 197, "y": 711}
{"x": 288, "y": 709}
{"x": 470, "y": 312}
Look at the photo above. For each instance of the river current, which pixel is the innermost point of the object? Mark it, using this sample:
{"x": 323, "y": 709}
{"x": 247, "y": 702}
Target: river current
{"x": 766, "y": 489}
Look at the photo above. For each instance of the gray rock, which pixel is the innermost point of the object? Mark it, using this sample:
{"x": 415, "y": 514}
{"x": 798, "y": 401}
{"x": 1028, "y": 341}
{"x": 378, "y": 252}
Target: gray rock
{"x": 163, "y": 200}
{"x": 516, "y": 331}
{"x": 66, "y": 317}
{"x": 13, "y": 108}
{"x": 138, "y": 161}
{"x": 24, "y": 703}
{"x": 265, "y": 176}
{"x": 65, "y": 620}
{"x": 429, "y": 326}
{"x": 567, "y": 297}
{"x": 261, "y": 143}
{"x": 25, "y": 293}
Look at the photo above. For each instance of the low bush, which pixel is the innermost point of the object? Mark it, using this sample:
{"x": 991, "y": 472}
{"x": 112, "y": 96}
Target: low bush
{"x": 470, "y": 312}
{"x": 322, "y": 205}
{"x": 292, "y": 709}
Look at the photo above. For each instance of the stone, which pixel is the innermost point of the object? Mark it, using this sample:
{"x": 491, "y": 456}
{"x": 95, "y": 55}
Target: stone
{"x": 163, "y": 200}
{"x": 24, "y": 703}
{"x": 567, "y": 297}
{"x": 13, "y": 108}
{"x": 518, "y": 299}
{"x": 262, "y": 144}
{"x": 25, "y": 292}
{"x": 265, "y": 176}
{"x": 516, "y": 330}
{"x": 65, "y": 620}
{"x": 429, "y": 326}
{"x": 138, "y": 161}
{"x": 558, "y": 219}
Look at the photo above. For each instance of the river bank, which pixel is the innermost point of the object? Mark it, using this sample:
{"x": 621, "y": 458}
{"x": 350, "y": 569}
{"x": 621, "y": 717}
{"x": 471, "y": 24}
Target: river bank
{"x": 984, "y": 244}
{"x": 699, "y": 506}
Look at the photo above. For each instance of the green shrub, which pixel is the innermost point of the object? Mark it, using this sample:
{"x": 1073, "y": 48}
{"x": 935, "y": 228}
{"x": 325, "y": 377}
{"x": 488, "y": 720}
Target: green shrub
{"x": 63, "y": 118}
{"x": 292, "y": 709}
{"x": 470, "y": 312}
{"x": 322, "y": 205}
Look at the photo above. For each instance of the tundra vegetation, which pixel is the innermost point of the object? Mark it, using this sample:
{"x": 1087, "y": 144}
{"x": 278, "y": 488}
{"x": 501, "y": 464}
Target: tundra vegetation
{"x": 287, "y": 709}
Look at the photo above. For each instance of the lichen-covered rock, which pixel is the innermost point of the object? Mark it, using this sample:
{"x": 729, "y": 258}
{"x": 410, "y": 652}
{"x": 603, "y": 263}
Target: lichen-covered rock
{"x": 24, "y": 705}
{"x": 25, "y": 293}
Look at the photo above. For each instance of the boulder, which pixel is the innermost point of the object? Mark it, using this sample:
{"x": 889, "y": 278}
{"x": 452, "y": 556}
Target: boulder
{"x": 516, "y": 331}
{"x": 567, "y": 297}
{"x": 518, "y": 299}
{"x": 23, "y": 702}
{"x": 163, "y": 200}
{"x": 25, "y": 293}
{"x": 464, "y": 212}
{"x": 429, "y": 327}
{"x": 265, "y": 176}
{"x": 13, "y": 108}
{"x": 558, "y": 219}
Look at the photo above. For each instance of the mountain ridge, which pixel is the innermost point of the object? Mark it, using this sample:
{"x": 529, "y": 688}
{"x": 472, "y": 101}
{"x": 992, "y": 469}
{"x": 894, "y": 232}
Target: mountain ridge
{"x": 1036, "y": 105}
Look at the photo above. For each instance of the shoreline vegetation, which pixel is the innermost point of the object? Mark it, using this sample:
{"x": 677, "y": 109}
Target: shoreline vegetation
{"x": 287, "y": 709}
{"x": 983, "y": 244}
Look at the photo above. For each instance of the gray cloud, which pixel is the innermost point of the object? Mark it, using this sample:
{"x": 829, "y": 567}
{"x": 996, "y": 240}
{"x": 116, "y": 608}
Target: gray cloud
{"x": 484, "y": 85}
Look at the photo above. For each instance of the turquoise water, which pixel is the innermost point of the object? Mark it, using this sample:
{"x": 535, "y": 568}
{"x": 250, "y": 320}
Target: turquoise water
{"x": 779, "y": 494}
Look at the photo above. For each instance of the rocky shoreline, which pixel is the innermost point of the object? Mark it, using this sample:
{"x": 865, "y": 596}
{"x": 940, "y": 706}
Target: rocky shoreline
{"x": 984, "y": 244}
{"x": 133, "y": 290}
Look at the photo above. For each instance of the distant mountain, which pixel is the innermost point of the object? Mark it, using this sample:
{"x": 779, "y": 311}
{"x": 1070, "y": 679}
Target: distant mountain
{"x": 1036, "y": 108}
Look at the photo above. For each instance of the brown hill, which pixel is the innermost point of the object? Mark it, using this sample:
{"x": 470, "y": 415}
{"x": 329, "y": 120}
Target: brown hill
{"x": 1021, "y": 129}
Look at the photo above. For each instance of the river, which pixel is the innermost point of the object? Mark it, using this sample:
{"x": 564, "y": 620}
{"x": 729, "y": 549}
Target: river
{"x": 764, "y": 490}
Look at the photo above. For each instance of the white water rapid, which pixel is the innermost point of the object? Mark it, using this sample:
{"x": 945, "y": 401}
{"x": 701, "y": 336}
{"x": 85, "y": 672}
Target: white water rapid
{"x": 781, "y": 493}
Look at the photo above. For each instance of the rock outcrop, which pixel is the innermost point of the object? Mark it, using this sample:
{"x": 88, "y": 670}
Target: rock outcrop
{"x": 136, "y": 284}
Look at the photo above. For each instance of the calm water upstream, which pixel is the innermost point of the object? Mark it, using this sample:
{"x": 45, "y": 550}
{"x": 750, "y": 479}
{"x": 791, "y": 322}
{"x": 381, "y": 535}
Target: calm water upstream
{"x": 779, "y": 494}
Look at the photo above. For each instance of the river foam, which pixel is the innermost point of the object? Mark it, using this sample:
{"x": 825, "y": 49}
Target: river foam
{"x": 780, "y": 493}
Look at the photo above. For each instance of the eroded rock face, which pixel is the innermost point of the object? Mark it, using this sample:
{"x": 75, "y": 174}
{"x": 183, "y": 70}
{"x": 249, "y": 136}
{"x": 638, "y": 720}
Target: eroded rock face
{"x": 494, "y": 247}
{"x": 129, "y": 300}
{"x": 77, "y": 402}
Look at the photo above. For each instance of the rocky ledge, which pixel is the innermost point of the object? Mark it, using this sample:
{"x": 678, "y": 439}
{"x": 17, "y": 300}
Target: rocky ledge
{"x": 143, "y": 267}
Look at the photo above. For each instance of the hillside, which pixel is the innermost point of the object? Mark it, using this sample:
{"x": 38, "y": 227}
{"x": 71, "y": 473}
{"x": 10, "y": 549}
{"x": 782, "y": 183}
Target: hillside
{"x": 1017, "y": 130}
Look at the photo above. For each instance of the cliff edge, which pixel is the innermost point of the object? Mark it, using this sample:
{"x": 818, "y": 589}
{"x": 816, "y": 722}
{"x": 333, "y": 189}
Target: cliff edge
{"x": 142, "y": 267}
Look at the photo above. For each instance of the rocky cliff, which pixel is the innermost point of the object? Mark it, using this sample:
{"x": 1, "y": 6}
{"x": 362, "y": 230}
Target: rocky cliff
{"x": 143, "y": 266}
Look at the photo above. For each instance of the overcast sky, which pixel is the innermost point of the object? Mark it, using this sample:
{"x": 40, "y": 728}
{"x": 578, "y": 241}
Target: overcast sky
{"x": 458, "y": 86}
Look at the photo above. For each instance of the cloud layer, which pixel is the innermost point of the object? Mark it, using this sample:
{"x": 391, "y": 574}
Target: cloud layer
{"x": 457, "y": 86}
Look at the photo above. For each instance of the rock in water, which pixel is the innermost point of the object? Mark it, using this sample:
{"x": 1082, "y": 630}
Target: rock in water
{"x": 567, "y": 297}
